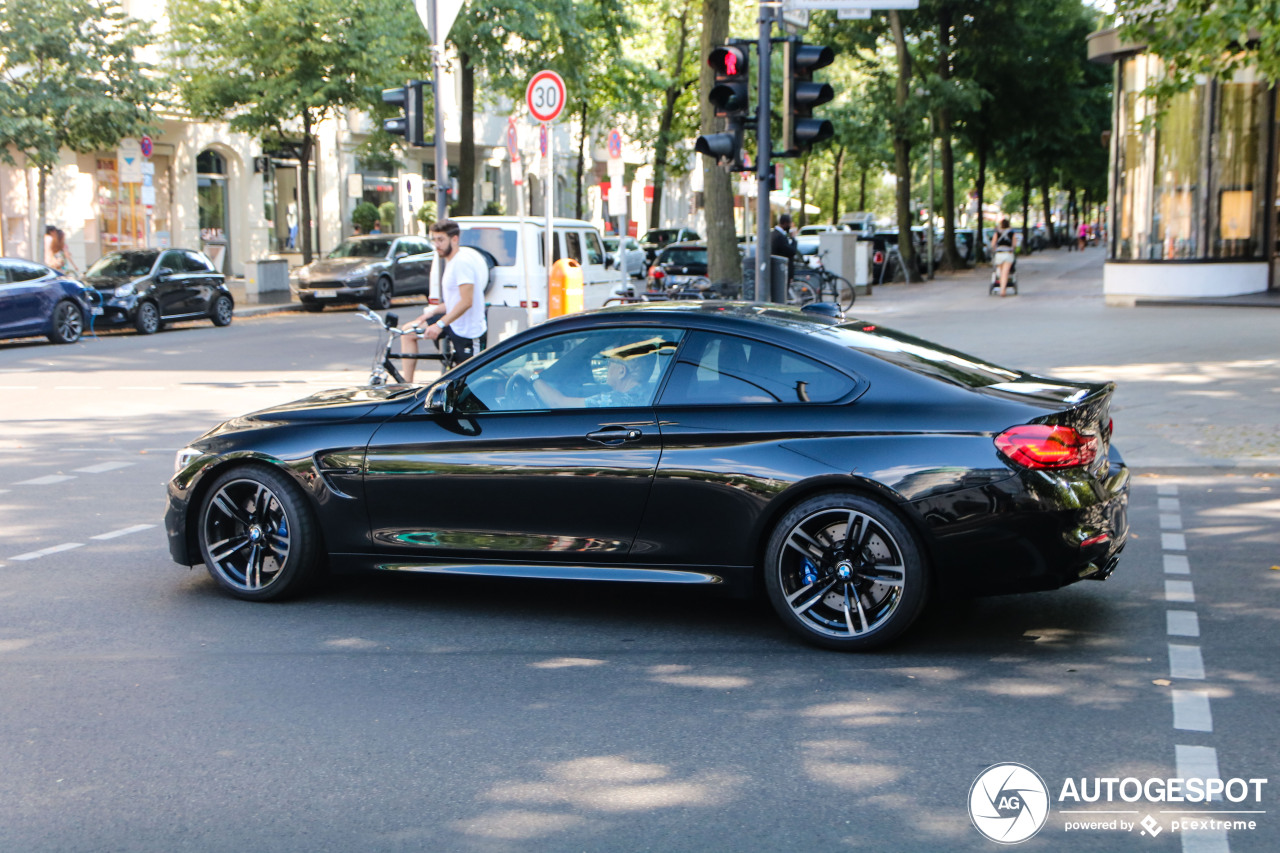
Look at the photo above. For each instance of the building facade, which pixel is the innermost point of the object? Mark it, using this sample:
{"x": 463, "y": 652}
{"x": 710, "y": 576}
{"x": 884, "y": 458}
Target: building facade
{"x": 1194, "y": 186}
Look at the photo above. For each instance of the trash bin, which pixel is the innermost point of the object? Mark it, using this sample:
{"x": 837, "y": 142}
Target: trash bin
{"x": 565, "y": 296}
{"x": 266, "y": 275}
{"x": 778, "y": 270}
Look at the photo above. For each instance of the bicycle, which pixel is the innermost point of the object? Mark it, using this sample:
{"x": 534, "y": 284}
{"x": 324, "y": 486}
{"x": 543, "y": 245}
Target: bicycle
{"x": 820, "y": 285}
{"x": 384, "y": 368}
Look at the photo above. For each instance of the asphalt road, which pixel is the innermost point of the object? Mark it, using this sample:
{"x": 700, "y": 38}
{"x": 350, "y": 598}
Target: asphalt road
{"x": 143, "y": 710}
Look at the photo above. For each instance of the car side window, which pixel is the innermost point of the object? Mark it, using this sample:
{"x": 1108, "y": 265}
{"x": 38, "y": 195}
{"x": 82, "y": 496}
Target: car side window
{"x": 598, "y": 368}
{"x": 573, "y": 245}
{"x": 595, "y": 254}
{"x": 172, "y": 262}
{"x": 194, "y": 262}
{"x": 20, "y": 271}
{"x": 728, "y": 370}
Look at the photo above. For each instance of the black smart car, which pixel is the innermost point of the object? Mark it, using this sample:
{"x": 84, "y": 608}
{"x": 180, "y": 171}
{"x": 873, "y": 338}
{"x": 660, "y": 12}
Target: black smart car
{"x": 149, "y": 287}
{"x": 850, "y": 470}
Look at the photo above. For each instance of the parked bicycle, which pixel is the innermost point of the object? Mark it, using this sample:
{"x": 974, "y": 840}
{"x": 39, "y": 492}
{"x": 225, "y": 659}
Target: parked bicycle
{"x": 384, "y": 369}
{"x": 820, "y": 285}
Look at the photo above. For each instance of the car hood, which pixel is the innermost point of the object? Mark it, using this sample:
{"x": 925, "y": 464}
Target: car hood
{"x": 336, "y": 406}
{"x": 110, "y": 282}
{"x": 342, "y": 265}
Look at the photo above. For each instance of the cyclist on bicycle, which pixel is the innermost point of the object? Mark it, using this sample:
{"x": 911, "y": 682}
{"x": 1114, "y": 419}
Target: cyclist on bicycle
{"x": 459, "y": 275}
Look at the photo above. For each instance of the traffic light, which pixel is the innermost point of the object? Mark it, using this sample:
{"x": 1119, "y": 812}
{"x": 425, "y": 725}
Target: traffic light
{"x": 409, "y": 123}
{"x": 800, "y": 94}
{"x": 730, "y": 95}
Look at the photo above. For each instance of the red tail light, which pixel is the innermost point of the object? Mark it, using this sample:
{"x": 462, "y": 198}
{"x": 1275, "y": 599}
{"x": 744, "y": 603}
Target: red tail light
{"x": 1044, "y": 446}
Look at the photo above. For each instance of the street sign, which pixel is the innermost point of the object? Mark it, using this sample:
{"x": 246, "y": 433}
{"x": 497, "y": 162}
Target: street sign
{"x": 545, "y": 95}
{"x": 542, "y": 140}
{"x": 446, "y": 11}
{"x": 145, "y": 146}
{"x": 513, "y": 140}
{"x": 615, "y": 145}
{"x": 129, "y": 158}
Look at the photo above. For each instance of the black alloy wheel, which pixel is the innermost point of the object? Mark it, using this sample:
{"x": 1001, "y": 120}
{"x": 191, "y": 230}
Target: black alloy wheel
{"x": 382, "y": 292}
{"x": 257, "y": 535}
{"x": 844, "y": 572}
{"x": 222, "y": 311}
{"x": 147, "y": 320}
{"x": 68, "y": 323}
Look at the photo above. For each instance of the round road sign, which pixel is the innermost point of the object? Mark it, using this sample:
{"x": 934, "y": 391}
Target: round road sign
{"x": 545, "y": 95}
{"x": 145, "y": 146}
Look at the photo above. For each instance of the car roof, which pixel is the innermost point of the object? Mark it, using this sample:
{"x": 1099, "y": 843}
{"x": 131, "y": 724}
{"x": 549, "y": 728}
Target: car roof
{"x": 539, "y": 221}
{"x": 744, "y": 316}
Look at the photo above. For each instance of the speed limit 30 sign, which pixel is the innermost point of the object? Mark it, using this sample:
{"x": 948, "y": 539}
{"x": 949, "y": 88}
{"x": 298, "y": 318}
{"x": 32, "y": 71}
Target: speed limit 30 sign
{"x": 545, "y": 95}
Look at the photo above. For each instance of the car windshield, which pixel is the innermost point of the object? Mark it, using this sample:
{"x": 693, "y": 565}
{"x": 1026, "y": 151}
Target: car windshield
{"x": 361, "y": 249}
{"x": 920, "y": 356}
{"x": 684, "y": 257}
{"x": 611, "y": 244}
{"x": 124, "y": 264}
{"x": 665, "y": 235}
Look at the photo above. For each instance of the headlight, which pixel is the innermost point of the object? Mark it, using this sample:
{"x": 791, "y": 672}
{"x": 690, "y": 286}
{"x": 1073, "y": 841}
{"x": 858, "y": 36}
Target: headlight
{"x": 124, "y": 290}
{"x": 358, "y": 276}
{"x": 184, "y": 456}
{"x": 304, "y": 274}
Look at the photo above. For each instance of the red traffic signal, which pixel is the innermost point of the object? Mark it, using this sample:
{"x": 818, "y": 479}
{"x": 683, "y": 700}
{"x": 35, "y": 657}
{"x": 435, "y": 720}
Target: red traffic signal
{"x": 731, "y": 92}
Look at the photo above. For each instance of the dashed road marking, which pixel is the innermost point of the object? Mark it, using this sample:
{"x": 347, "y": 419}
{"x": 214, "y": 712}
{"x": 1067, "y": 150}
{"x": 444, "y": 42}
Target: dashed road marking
{"x": 1169, "y": 505}
{"x": 1180, "y": 591}
{"x": 1183, "y": 623}
{"x": 124, "y": 531}
{"x": 1191, "y": 711}
{"x": 1170, "y": 521}
{"x": 1176, "y": 564}
{"x": 1173, "y": 541}
{"x": 103, "y": 467}
{"x": 48, "y": 480}
{"x": 1186, "y": 661}
{"x": 44, "y": 552}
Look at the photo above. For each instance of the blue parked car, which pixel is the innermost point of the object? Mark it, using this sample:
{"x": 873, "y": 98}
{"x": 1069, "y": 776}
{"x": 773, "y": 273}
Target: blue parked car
{"x": 35, "y": 300}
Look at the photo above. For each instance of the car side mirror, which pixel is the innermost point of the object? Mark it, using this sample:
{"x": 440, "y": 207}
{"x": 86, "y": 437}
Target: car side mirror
{"x": 442, "y": 396}
{"x": 608, "y": 262}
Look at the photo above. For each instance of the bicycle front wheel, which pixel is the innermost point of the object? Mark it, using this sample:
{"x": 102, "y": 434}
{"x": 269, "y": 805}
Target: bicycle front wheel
{"x": 842, "y": 292}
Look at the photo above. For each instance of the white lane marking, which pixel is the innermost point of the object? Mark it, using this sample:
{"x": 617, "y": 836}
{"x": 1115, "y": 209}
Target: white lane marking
{"x": 1170, "y": 521}
{"x": 1183, "y": 623}
{"x": 1166, "y": 488}
{"x": 1176, "y": 564}
{"x": 142, "y": 388}
{"x": 1197, "y": 762}
{"x": 103, "y": 467}
{"x": 1191, "y": 711}
{"x": 1180, "y": 591}
{"x": 1204, "y": 841}
{"x": 77, "y": 387}
{"x": 1169, "y": 504}
{"x": 1185, "y": 661}
{"x": 1173, "y": 542}
{"x": 125, "y": 531}
{"x": 48, "y": 480}
{"x": 44, "y": 552}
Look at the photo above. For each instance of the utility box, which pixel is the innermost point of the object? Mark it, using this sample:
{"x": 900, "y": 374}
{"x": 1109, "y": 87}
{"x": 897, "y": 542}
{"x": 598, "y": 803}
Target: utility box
{"x": 847, "y": 255}
{"x": 267, "y": 275}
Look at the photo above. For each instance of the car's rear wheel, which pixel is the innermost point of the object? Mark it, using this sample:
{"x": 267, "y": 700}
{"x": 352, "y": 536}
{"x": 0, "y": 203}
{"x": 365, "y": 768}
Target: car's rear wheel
{"x": 223, "y": 310}
{"x": 147, "y": 320}
{"x": 382, "y": 292}
{"x": 68, "y": 323}
{"x": 257, "y": 535}
{"x": 845, "y": 572}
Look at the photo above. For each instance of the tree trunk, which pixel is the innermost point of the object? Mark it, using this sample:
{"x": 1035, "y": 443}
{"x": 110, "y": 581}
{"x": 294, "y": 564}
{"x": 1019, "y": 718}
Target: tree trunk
{"x": 1050, "y": 231}
{"x": 835, "y": 199}
{"x": 582, "y": 154}
{"x": 723, "y": 264}
{"x": 304, "y": 192}
{"x": 980, "y": 246}
{"x": 466, "y": 200}
{"x": 862, "y": 189}
{"x": 1026, "y": 213}
{"x": 902, "y": 148}
{"x": 667, "y": 119}
{"x": 950, "y": 255}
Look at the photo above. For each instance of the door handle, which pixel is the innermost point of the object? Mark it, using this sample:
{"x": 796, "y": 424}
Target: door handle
{"x": 614, "y": 436}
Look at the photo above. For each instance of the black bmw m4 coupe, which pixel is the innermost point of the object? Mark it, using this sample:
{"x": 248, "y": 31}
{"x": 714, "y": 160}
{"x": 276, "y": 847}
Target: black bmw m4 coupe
{"x": 847, "y": 470}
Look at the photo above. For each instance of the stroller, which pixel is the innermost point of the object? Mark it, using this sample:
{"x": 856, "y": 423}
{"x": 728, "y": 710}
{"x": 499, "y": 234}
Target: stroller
{"x": 1013, "y": 278}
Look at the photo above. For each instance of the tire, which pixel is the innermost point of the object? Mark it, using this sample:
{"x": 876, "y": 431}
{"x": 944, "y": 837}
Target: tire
{"x": 842, "y": 292}
{"x": 67, "y": 323}
{"x": 382, "y": 293}
{"x": 311, "y": 306}
{"x": 257, "y": 535}
{"x": 147, "y": 320}
{"x": 800, "y": 293}
{"x": 859, "y": 594}
{"x": 223, "y": 310}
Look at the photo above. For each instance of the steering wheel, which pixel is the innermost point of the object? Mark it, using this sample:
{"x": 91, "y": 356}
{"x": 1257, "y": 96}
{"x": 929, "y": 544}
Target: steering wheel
{"x": 520, "y": 392}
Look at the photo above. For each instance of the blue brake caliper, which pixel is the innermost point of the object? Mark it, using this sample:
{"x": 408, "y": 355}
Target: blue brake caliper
{"x": 810, "y": 573}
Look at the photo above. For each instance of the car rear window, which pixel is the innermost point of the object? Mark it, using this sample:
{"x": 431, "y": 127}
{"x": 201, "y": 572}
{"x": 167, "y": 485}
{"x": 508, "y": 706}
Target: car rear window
{"x": 684, "y": 257}
{"x": 496, "y": 240}
{"x": 920, "y": 356}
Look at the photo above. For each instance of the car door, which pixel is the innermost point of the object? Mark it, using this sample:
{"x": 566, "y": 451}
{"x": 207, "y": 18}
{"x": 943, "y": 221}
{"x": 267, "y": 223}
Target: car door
{"x": 23, "y": 308}
{"x": 169, "y": 284}
{"x": 408, "y": 267}
{"x": 506, "y": 477}
{"x": 201, "y": 281}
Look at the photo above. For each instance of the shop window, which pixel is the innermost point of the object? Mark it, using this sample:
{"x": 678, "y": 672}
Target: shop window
{"x": 1238, "y": 163}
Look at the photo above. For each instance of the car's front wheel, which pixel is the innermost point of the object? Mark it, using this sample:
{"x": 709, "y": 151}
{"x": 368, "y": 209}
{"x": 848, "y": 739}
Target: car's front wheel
{"x": 382, "y": 293}
{"x": 845, "y": 572}
{"x": 147, "y": 320}
{"x": 312, "y": 306}
{"x": 223, "y": 310}
{"x": 257, "y": 535}
{"x": 68, "y": 323}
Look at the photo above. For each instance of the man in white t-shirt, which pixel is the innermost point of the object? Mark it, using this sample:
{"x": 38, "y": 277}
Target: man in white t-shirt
{"x": 460, "y": 275}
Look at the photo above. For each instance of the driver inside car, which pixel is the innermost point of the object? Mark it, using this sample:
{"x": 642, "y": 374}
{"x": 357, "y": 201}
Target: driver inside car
{"x": 629, "y": 379}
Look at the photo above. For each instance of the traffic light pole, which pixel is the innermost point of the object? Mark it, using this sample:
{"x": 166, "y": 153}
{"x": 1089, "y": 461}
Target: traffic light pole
{"x": 437, "y": 86}
{"x": 764, "y": 160}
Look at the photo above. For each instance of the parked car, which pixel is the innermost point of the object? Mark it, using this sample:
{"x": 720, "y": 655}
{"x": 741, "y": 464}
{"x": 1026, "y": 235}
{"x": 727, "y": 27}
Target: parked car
{"x": 806, "y": 230}
{"x": 677, "y": 265}
{"x": 637, "y": 260}
{"x": 35, "y": 300}
{"x": 371, "y": 268}
{"x": 149, "y": 287}
{"x": 807, "y": 247}
{"x": 659, "y": 238}
{"x": 851, "y": 470}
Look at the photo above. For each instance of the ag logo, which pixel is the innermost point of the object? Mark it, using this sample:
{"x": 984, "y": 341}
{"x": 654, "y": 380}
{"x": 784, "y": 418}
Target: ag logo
{"x": 1008, "y": 803}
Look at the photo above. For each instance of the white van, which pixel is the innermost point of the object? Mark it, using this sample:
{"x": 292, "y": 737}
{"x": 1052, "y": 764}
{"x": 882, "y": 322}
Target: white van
{"x": 517, "y": 293}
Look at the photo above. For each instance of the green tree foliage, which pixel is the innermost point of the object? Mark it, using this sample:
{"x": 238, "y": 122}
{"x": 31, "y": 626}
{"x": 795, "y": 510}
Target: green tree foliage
{"x": 277, "y": 68}
{"x": 70, "y": 78}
